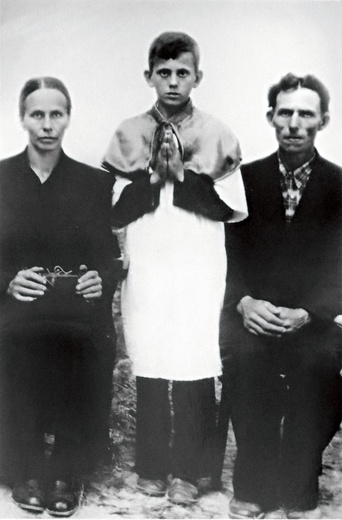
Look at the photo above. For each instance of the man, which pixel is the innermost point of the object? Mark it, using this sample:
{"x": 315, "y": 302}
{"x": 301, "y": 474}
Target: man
{"x": 280, "y": 343}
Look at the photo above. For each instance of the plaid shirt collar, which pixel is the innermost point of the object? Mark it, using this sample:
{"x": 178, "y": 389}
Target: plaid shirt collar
{"x": 300, "y": 175}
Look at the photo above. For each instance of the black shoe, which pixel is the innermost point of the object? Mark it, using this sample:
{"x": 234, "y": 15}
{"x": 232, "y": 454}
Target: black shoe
{"x": 63, "y": 498}
{"x": 29, "y": 495}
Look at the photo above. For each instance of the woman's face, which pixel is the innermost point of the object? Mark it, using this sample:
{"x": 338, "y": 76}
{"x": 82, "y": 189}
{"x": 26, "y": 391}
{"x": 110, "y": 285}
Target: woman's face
{"x": 46, "y": 119}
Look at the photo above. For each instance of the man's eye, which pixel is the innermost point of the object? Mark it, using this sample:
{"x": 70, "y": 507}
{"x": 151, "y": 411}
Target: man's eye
{"x": 306, "y": 113}
{"x": 56, "y": 114}
{"x": 285, "y": 113}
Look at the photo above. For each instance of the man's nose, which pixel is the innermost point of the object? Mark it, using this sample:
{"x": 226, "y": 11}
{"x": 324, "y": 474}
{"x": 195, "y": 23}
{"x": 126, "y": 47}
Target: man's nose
{"x": 294, "y": 121}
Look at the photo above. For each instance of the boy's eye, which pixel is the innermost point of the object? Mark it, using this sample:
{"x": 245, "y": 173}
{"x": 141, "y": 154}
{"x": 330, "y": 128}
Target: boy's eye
{"x": 183, "y": 73}
{"x": 164, "y": 73}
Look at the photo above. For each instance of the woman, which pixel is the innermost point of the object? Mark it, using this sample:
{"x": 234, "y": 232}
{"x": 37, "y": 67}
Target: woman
{"x": 57, "y": 281}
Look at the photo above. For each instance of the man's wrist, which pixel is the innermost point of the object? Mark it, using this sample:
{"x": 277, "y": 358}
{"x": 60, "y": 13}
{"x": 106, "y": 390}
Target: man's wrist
{"x": 306, "y": 317}
{"x": 243, "y": 300}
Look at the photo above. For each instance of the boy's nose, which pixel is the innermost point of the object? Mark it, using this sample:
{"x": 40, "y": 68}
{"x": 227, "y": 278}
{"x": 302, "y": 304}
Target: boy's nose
{"x": 173, "y": 80}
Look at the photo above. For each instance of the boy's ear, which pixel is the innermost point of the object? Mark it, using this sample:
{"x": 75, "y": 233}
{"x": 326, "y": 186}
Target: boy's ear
{"x": 269, "y": 116}
{"x": 147, "y": 76}
{"x": 199, "y": 76}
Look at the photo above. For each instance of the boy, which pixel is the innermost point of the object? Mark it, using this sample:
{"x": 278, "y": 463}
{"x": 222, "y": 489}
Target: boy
{"x": 177, "y": 180}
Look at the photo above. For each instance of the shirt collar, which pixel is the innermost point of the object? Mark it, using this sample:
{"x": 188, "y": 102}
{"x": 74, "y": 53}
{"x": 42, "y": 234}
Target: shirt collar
{"x": 300, "y": 174}
{"x": 176, "y": 118}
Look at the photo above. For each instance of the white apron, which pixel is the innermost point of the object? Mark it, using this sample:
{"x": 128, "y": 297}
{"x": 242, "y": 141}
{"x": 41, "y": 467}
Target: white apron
{"x": 173, "y": 295}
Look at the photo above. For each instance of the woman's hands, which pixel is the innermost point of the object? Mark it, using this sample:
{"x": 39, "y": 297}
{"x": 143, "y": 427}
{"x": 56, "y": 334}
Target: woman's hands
{"x": 89, "y": 284}
{"x": 29, "y": 284}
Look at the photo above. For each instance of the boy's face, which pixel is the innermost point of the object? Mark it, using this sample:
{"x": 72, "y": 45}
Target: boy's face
{"x": 174, "y": 80}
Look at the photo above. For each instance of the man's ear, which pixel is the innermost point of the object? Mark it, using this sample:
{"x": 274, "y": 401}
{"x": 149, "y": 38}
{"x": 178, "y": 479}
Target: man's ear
{"x": 325, "y": 121}
{"x": 147, "y": 76}
{"x": 269, "y": 116}
{"x": 199, "y": 76}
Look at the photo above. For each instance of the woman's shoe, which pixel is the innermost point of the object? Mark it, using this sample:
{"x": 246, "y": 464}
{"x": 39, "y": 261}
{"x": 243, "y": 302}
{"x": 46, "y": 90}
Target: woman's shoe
{"x": 182, "y": 492}
{"x": 241, "y": 509}
{"x": 64, "y": 499}
{"x": 152, "y": 488}
{"x": 29, "y": 495}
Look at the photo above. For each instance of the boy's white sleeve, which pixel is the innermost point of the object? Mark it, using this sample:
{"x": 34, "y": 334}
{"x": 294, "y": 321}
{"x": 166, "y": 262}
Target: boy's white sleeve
{"x": 119, "y": 185}
{"x": 231, "y": 190}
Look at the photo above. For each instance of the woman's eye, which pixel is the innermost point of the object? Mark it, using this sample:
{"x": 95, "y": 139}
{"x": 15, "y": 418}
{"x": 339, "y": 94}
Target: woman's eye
{"x": 37, "y": 115}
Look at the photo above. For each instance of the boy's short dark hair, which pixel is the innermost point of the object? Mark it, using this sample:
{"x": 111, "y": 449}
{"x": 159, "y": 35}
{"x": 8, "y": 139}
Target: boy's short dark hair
{"x": 169, "y": 45}
{"x": 292, "y": 82}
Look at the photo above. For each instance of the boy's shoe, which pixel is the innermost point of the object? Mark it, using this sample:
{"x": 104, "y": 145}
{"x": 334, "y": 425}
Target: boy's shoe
{"x": 241, "y": 509}
{"x": 152, "y": 488}
{"x": 182, "y": 492}
{"x": 29, "y": 495}
{"x": 64, "y": 499}
{"x": 311, "y": 513}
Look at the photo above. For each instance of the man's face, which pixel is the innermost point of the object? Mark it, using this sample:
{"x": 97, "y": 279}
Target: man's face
{"x": 297, "y": 118}
{"x": 46, "y": 118}
{"x": 174, "y": 80}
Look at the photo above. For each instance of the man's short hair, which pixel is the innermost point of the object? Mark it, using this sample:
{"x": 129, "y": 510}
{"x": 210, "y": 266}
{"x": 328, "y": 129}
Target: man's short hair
{"x": 169, "y": 45}
{"x": 292, "y": 82}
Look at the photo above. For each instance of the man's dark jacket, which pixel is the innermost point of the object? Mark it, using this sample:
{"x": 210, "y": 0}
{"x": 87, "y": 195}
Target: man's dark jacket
{"x": 296, "y": 265}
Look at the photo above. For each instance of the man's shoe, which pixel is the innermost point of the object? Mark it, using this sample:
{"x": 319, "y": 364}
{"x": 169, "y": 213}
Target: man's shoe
{"x": 310, "y": 513}
{"x": 152, "y": 488}
{"x": 64, "y": 499}
{"x": 182, "y": 492}
{"x": 29, "y": 495}
{"x": 241, "y": 509}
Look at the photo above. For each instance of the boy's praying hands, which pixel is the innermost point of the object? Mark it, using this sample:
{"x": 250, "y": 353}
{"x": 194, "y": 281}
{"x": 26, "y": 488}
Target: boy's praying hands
{"x": 167, "y": 162}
